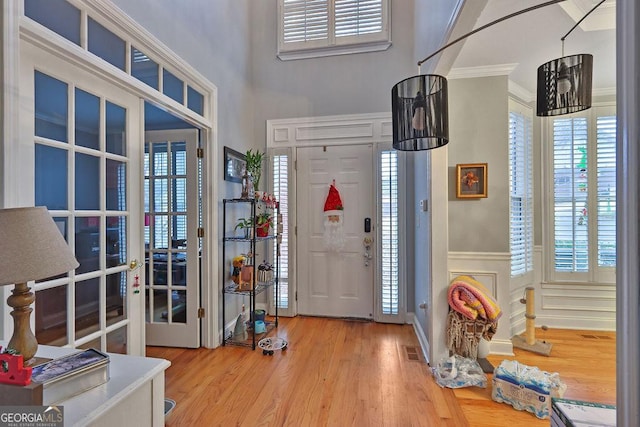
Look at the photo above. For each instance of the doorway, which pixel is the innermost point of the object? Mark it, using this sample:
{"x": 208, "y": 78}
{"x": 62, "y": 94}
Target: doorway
{"x": 336, "y": 282}
{"x": 172, "y": 242}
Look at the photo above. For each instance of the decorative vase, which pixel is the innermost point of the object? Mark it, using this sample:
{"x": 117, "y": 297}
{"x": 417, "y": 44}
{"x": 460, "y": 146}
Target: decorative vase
{"x": 247, "y": 186}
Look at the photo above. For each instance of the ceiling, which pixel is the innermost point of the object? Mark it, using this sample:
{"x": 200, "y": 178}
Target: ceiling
{"x": 518, "y": 46}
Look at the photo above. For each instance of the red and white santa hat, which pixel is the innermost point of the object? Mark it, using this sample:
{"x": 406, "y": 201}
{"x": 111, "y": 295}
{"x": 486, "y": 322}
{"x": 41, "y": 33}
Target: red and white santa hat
{"x": 333, "y": 204}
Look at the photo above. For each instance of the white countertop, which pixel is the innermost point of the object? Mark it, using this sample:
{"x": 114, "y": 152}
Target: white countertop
{"x": 126, "y": 374}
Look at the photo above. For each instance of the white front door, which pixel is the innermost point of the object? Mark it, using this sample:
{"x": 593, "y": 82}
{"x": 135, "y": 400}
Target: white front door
{"x": 79, "y": 153}
{"x": 172, "y": 245}
{"x": 335, "y": 283}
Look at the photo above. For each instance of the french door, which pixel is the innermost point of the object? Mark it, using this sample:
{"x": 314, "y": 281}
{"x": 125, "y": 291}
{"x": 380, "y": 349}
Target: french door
{"x": 172, "y": 245}
{"x": 81, "y": 150}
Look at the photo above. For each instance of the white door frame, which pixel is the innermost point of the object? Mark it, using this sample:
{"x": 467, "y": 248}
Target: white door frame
{"x": 15, "y": 26}
{"x": 375, "y": 128}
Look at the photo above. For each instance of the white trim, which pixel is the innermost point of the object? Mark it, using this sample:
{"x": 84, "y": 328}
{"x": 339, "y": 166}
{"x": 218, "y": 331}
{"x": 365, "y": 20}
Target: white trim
{"x": 422, "y": 337}
{"x": 481, "y": 71}
{"x": 476, "y": 256}
{"x": 334, "y": 51}
{"x": 520, "y": 92}
{"x": 604, "y": 91}
{"x": 603, "y": 18}
{"x": 329, "y": 130}
{"x": 10, "y": 107}
{"x": 35, "y": 34}
{"x": 341, "y": 130}
{"x": 142, "y": 38}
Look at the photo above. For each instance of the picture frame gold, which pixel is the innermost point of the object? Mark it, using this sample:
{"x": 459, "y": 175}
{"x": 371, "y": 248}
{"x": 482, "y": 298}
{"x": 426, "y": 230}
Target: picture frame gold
{"x": 471, "y": 180}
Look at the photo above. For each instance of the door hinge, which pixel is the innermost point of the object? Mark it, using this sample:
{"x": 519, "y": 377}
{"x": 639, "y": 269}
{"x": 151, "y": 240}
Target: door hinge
{"x": 200, "y": 232}
{"x": 295, "y": 165}
{"x": 296, "y": 295}
{"x": 200, "y": 312}
{"x": 295, "y": 230}
{"x": 200, "y": 153}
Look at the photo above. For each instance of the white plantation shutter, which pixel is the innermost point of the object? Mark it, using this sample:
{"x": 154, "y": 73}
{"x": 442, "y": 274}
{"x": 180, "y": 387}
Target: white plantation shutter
{"x": 354, "y": 18}
{"x": 305, "y": 20}
{"x": 390, "y": 269}
{"x": 584, "y": 197}
{"x": 521, "y": 193}
{"x": 281, "y": 192}
{"x": 309, "y": 28}
{"x": 606, "y": 211}
{"x": 570, "y": 194}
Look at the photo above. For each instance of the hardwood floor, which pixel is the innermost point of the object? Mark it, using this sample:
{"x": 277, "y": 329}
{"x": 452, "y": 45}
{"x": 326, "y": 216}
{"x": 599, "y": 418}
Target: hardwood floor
{"x": 347, "y": 373}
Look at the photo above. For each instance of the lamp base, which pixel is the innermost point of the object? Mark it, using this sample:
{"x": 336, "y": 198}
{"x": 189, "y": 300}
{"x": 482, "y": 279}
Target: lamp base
{"x": 22, "y": 341}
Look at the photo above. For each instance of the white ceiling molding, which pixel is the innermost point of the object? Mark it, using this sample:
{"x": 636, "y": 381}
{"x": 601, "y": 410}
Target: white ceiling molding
{"x": 481, "y": 71}
{"x": 521, "y": 93}
{"x": 605, "y": 91}
{"x": 603, "y": 18}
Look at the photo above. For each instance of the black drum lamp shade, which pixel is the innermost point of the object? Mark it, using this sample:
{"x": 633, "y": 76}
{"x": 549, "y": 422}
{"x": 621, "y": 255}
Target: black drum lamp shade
{"x": 419, "y": 104}
{"x": 420, "y": 113}
{"x": 564, "y": 85}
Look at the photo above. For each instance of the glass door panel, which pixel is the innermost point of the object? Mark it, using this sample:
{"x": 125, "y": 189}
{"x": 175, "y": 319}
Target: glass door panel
{"x": 87, "y": 176}
{"x": 171, "y": 239}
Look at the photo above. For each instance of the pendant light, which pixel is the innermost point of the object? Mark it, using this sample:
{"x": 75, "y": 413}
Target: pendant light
{"x": 564, "y": 84}
{"x": 420, "y": 113}
{"x": 419, "y": 104}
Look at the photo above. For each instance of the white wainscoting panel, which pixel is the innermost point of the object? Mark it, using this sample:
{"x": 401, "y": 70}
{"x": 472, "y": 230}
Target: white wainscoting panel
{"x": 589, "y": 306}
{"x": 493, "y": 271}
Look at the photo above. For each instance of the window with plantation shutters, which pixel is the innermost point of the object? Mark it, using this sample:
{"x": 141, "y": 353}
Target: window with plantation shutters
{"x": 311, "y": 28}
{"x": 584, "y": 196}
{"x": 606, "y": 198}
{"x": 281, "y": 192}
{"x": 520, "y": 193}
{"x": 570, "y": 194}
{"x": 389, "y": 223}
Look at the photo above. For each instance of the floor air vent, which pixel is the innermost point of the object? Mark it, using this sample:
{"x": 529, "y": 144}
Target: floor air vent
{"x": 412, "y": 354}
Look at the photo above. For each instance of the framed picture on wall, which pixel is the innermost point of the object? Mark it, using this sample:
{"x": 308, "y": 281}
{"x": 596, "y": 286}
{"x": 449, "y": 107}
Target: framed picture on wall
{"x": 471, "y": 180}
{"x": 234, "y": 164}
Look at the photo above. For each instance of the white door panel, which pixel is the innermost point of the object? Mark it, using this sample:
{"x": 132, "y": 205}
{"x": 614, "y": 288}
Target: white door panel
{"x": 97, "y": 304}
{"x": 171, "y": 239}
{"x": 337, "y": 284}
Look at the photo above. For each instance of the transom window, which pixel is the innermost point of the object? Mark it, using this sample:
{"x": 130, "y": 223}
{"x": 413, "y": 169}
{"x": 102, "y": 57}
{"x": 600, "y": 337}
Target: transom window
{"x": 311, "y": 28}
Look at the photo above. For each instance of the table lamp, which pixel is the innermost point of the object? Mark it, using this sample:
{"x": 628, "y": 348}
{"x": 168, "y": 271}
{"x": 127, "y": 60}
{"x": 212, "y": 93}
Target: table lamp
{"x": 31, "y": 248}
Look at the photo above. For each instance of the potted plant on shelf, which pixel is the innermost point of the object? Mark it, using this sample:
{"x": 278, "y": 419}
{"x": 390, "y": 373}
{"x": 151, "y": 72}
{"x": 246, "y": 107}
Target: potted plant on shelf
{"x": 263, "y": 222}
{"x": 254, "y": 166}
{"x": 245, "y": 224}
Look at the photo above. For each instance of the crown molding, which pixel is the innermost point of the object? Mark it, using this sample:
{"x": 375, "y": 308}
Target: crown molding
{"x": 603, "y": 18}
{"x": 481, "y": 71}
{"x": 520, "y": 92}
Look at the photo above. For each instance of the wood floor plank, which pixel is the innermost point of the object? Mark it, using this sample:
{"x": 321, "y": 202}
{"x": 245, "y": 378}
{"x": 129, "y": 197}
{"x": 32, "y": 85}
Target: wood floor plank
{"x": 347, "y": 373}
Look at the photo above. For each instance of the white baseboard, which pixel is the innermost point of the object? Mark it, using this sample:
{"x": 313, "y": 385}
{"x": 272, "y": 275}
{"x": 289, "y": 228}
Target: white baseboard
{"x": 591, "y": 323}
{"x": 503, "y": 347}
{"x": 422, "y": 337}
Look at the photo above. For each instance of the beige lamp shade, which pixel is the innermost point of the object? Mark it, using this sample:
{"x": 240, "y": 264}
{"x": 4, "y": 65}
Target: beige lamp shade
{"x": 31, "y": 246}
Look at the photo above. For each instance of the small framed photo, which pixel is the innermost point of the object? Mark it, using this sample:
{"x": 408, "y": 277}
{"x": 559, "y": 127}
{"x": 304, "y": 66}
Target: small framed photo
{"x": 234, "y": 164}
{"x": 471, "y": 180}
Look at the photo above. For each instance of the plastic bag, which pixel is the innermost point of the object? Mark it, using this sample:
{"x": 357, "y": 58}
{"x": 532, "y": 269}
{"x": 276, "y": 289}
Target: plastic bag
{"x": 457, "y": 371}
